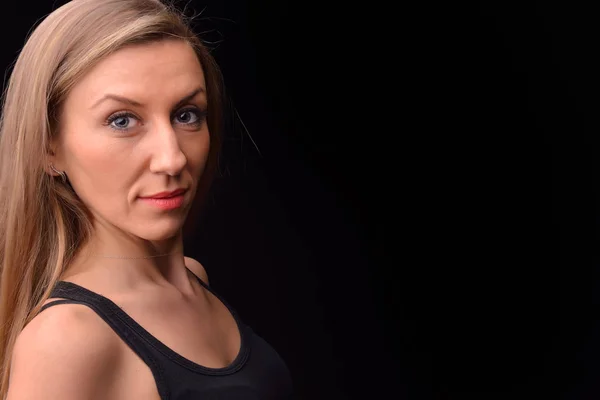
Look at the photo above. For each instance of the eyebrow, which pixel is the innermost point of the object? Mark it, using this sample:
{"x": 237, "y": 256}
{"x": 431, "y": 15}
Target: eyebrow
{"x": 134, "y": 103}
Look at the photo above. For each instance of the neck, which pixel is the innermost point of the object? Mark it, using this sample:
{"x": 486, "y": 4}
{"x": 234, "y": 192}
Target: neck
{"x": 136, "y": 249}
{"x": 128, "y": 261}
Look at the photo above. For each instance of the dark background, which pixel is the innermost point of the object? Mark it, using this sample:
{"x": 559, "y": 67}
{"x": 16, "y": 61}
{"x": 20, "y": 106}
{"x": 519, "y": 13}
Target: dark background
{"x": 419, "y": 220}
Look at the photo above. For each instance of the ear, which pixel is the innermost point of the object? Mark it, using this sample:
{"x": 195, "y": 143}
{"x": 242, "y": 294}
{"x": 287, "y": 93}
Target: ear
{"x": 49, "y": 170}
{"x": 49, "y": 162}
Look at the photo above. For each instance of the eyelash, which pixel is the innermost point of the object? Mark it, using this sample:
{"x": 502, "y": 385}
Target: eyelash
{"x": 200, "y": 115}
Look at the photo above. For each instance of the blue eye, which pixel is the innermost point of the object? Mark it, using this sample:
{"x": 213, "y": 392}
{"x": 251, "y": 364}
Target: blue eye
{"x": 124, "y": 121}
{"x": 190, "y": 116}
{"x": 121, "y": 121}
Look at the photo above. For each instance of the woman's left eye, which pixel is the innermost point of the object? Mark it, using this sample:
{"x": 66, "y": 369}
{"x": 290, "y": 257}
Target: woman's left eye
{"x": 190, "y": 116}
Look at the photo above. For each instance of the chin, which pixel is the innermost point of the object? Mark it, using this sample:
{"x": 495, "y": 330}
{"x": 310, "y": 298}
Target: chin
{"x": 159, "y": 231}
{"x": 159, "y": 236}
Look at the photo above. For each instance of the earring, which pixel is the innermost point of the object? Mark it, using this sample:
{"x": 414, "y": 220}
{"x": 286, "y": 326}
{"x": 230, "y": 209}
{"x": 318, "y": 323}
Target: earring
{"x": 62, "y": 174}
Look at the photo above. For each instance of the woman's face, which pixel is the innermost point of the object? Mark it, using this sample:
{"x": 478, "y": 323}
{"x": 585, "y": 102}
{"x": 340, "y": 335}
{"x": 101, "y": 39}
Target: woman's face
{"x": 132, "y": 127}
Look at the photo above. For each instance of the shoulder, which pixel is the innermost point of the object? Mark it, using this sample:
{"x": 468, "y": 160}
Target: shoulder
{"x": 196, "y": 268}
{"x": 65, "y": 352}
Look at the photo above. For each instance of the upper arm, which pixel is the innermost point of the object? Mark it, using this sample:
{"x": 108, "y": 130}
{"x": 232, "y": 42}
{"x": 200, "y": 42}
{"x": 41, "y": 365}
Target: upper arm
{"x": 66, "y": 353}
{"x": 196, "y": 268}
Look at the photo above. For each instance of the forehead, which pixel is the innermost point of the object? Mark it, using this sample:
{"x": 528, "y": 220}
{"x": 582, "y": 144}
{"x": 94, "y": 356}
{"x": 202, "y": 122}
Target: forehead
{"x": 144, "y": 71}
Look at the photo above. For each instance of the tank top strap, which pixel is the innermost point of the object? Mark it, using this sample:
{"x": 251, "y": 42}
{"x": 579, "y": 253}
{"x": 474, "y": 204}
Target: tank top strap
{"x": 61, "y": 301}
{"x": 113, "y": 315}
{"x": 232, "y": 310}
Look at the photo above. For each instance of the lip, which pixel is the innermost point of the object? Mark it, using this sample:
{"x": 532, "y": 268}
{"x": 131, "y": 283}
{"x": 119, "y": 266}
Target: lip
{"x": 166, "y": 200}
{"x": 165, "y": 195}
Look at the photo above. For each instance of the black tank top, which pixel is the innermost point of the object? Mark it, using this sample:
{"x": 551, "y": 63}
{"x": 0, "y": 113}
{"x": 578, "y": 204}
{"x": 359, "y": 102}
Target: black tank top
{"x": 257, "y": 373}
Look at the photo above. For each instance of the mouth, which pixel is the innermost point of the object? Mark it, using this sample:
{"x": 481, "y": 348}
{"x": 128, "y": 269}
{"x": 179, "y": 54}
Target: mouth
{"x": 165, "y": 195}
{"x": 166, "y": 200}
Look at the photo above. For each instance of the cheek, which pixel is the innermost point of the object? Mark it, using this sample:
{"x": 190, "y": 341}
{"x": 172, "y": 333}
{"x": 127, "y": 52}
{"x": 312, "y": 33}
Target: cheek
{"x": 99, "y": 171}
{"x": 102, "y": 171}
{"x": 196, "y": 152}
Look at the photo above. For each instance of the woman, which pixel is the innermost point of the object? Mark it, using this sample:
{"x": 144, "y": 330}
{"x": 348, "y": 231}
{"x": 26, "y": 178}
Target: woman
{"x": 110, "y": 129}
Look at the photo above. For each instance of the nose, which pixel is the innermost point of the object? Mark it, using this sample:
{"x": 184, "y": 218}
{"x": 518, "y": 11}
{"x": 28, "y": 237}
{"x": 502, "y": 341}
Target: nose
{"x": 168, "y": 157}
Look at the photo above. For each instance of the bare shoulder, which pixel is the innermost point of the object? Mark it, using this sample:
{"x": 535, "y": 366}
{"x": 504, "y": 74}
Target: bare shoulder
{"x": 196, "y": 268}
{"x": 66, "y": 352}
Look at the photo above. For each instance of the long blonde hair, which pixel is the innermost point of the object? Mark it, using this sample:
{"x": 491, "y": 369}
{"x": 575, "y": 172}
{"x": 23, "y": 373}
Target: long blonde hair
{"x": 43, "y": 221}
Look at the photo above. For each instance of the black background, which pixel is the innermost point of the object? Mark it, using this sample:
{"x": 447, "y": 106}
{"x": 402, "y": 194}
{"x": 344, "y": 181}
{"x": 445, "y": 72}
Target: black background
{"x": 419, "y": 220}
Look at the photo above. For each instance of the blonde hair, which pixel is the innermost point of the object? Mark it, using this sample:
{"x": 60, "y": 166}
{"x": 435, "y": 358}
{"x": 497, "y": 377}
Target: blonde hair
{"x": 43, "y": 221}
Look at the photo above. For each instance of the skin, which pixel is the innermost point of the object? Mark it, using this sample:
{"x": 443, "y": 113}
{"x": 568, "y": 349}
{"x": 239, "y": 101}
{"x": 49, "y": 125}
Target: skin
{"x": 162, "y": 146}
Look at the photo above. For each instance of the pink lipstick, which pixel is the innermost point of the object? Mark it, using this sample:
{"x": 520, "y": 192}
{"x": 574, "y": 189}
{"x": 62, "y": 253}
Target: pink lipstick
{"x": 166, "y": 200}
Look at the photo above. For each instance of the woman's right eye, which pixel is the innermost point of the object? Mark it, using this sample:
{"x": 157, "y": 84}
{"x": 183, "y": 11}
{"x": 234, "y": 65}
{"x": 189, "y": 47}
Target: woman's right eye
{"x": 121, "y": 121}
